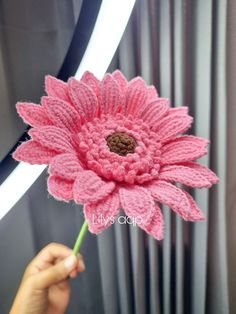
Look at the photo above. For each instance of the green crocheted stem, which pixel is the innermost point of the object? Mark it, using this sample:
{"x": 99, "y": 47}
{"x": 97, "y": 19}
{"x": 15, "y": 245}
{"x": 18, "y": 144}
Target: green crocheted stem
{"x": 80, "y": 237}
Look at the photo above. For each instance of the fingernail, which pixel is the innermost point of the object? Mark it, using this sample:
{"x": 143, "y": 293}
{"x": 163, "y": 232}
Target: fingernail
{"x": 70, "y": 262}
{"x": 81, "y": 265}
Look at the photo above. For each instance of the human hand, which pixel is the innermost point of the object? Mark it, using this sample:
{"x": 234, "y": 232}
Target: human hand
{"x": 45, "y": 287}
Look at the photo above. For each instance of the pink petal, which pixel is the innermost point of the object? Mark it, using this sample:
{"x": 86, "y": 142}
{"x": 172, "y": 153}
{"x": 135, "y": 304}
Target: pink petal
{"x": 56, "y": 88}
{"x": 103, "y": 213}
{"x": 184, "y": 175}
{"x": 178, "y": 110}
{"x": 90, "y": 188}
{"x": 33, "y": 114}
{"x": 152, "y": 93}
{"x": 136, "y": 96}
{"x": 83, "y": 98}
{"x": 65, "y": 166}
{"x": 204, "y": 171}
{"x": 173, "y": 125}
{"x": 183, "y": 149}
{"x": 111, "y": 101}
{"x": 138, "y": 204}
{"x": 121, "y": 80}
{"x": 53, "y": 138}
{"x": 195, "y": 213}
{"x": 59, "y": 188}
{"x": 171, "y": 196}
{"x": 62, "y": 114}
{"x": 156, "y": 226}
{"x": 89, "y": 79}
{"x": 153, "y": 112}
{"x": 33, "y": 153}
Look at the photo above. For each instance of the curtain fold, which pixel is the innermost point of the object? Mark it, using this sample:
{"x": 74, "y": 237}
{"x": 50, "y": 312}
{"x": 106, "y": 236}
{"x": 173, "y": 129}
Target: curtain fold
{"x": 185, "y": 48}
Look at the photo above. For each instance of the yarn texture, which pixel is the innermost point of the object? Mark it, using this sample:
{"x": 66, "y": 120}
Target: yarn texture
{"x": 114, "y": 144}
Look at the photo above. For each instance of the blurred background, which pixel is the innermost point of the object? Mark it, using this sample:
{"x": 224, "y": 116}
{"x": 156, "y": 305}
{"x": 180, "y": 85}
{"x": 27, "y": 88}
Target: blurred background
{"x": 187, "y": 50}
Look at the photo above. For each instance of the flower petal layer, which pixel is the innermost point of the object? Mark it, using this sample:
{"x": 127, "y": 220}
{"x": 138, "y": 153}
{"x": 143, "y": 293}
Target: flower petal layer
{"x": 171, "y": 196}
{"x": 53, "y": 138}
{"x": 156, "y": 225}
{"x": 173, "y": 125}
{"x": 138, "y": 204}
{"x": 111, "y": 101}
{"x": 83, "y": 98}
{"x": 136, "y": 96}
{"x": 204, "y": 171}
{"x": 59, "y": 188}
{"x": 62, "y": 114}
{"x": 102, "y": 214}
{"x": 183, "y": 149}
{"x": 90, "y": 188}
{"x": 184, "y": 175}
{"x": 33, "y": 153}
{"x": 33, "y": 114}
{"x": 56, "y": 88}
{"x": 65, "y": 166}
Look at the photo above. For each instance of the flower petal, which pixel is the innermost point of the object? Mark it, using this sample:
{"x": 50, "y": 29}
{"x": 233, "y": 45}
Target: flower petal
{"x": 33, "y": 114}
{"x": 90, "y": 188}
{"x": 183, "y": 149}
{"x": 195, "y": 213}
{"x": 56, "y": 88}
{"x": 33, "y": 153}
{"x": 156, "y": 226}
{"x": 103, "y": 213}
{"x": 53, "y": 138}
{"x": 65, "y": 166}
{"x": 62, "y": 114}
{"x": 89, "y": 79}
{"x": 184, "y": 175}
{"x": 171, "y": 196}
{"x": 111, "y": 101}
{"x": 173, "y": 125}
{"x": 121, "y": 80}
{"x": 83, "y": 98}
{"x": 153, "y": 112}
{"x": 138, "y": 204}
{"x": 152, "y": 93}
{"x": 204, "y": 171}
{"x": 136, "y": 96}
{"x": 59, "y": 188}
{"x": 178, "y": 110}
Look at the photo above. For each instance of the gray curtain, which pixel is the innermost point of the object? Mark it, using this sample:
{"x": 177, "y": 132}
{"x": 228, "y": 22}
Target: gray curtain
{"x": 186, "y": 48}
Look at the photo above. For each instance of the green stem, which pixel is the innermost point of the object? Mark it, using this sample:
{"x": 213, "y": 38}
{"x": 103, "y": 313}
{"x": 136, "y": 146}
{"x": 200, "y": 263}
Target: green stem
{"x": 80, "y": 237}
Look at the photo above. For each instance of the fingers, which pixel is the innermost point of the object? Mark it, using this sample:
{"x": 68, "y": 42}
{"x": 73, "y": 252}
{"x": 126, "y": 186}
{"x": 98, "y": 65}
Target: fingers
{"x": 57, "y": 273}
{"x": 51, "y": 253}
{"x": 51, "y": 258}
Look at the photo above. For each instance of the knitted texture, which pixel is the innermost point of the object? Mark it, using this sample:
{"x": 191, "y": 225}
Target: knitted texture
{"x": 112, "y": 144}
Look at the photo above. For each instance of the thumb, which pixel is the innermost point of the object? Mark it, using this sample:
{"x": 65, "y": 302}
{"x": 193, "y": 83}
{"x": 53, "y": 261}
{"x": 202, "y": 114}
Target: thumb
{"x": 55, "y": 274}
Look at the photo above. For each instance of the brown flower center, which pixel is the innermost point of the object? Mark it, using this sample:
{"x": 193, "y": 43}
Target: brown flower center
{"x": 121, "y": 143}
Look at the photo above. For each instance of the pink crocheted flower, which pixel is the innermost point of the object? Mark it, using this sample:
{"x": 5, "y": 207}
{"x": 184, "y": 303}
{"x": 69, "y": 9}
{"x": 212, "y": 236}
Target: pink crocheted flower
{"x": 112, "y": 144}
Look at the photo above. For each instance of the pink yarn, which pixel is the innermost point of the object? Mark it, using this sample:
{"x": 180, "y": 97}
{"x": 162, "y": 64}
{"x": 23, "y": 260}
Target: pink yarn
{"x": 70, "y": 133}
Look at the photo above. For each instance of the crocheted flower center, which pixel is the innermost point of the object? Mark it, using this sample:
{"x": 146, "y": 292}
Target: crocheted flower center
{"x": 120, "y": 148}
{"x": 121, "y": 143}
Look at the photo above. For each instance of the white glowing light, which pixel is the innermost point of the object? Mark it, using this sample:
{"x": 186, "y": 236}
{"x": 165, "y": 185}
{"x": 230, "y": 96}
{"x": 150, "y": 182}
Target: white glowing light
{"x": 110, "y": 25}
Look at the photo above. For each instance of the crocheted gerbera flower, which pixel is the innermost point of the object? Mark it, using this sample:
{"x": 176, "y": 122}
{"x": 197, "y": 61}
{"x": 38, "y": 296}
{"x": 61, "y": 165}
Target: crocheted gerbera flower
{"x": 115, "y": 144}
